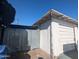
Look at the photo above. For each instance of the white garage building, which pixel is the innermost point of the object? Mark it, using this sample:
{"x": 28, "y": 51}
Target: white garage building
{"x": 58, "y": 33}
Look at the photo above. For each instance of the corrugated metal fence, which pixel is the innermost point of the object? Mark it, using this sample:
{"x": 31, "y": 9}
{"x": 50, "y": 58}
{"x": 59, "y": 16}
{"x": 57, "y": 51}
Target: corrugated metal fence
{"x": 21, "y": 39}
{"x": 16, "y": 39}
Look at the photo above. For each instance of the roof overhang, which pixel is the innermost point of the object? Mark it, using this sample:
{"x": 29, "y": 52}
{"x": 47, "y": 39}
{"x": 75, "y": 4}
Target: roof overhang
{"x": 57, "y": 15}
{"x": 22, "y": 27}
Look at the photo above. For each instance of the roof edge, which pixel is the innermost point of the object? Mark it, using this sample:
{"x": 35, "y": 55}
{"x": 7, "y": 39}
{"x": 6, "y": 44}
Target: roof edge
{"x": 57, "y": 14}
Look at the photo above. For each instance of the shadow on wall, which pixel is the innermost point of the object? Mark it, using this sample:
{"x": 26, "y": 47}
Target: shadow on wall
{"x": 70, "y": 52}
{"x": 45, "y": 25}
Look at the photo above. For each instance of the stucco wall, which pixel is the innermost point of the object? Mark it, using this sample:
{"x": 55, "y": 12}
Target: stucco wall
{"x": 34, "y": 39}
{"x": 45, "y": 36}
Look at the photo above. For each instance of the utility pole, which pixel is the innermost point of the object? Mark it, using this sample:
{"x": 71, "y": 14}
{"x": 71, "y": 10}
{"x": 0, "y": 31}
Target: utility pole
{"x": 17, "y": 22}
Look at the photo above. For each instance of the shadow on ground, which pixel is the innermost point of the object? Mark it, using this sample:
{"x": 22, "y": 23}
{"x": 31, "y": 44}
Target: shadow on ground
{"x": 71, "y": 52}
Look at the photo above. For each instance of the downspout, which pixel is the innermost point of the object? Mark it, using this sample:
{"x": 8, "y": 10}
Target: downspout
{"x": 74, "y": 38}
{"x": 38, "y": 28}
{"x": 39, "y": 35}
{"x": 51, "y": 43}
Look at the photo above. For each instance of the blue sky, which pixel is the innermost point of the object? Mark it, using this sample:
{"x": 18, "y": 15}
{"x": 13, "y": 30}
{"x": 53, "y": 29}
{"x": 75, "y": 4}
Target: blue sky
{"x": 29, "y": 11}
